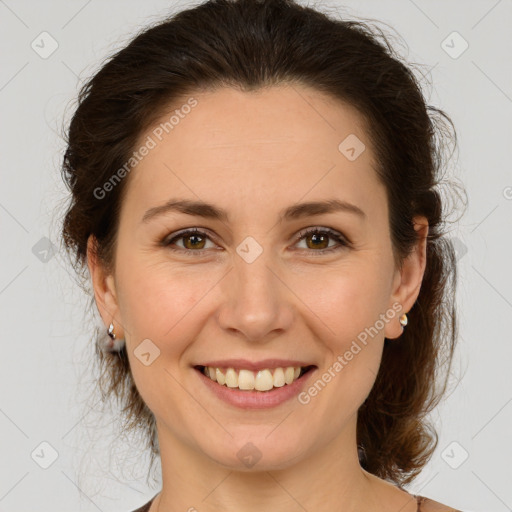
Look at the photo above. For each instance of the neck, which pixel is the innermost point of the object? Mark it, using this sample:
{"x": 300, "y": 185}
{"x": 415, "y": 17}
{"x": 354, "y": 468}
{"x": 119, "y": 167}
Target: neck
{"x": 328, "y": 477}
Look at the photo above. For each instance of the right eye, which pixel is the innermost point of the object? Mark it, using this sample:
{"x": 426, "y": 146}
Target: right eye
{"x": 196, "y": 242}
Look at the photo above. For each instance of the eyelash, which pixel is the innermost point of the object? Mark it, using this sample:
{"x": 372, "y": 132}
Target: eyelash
{"x": 343, "y": 241}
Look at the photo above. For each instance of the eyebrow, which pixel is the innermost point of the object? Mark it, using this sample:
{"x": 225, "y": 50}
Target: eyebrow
{"x": 293, "y": 212}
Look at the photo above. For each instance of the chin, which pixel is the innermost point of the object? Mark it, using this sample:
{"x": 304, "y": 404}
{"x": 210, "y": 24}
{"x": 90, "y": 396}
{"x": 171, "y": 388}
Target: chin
{"x": 255, "y": 452}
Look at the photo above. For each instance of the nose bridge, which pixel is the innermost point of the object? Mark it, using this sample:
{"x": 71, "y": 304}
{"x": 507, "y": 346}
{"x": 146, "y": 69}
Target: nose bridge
{"x": 255, "y": 278}
{"x": 255, "y": 303}
{"x": 252, "y": 262}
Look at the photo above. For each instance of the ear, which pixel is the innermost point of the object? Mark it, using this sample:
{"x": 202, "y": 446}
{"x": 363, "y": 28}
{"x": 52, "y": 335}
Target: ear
{"x": 407, "y": 280}
{"x": 104, "y": 288}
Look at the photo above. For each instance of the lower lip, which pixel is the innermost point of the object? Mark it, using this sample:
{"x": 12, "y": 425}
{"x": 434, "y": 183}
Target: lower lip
{"x": 253, "y": 399}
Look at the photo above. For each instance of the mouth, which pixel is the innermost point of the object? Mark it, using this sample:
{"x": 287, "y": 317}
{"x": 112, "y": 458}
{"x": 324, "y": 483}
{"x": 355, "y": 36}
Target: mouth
{"x": 263, "y": 380}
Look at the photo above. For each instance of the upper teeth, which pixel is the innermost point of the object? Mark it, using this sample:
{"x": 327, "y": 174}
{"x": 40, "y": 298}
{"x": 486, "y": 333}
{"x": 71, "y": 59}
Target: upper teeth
{"x": 263, "y": 380}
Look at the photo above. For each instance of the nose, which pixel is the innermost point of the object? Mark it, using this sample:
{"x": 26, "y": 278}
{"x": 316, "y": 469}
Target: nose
{"x": 257, "y": 302}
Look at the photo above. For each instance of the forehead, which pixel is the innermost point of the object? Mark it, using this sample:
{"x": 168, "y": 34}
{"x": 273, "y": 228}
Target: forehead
{"x": 275, "y": 145}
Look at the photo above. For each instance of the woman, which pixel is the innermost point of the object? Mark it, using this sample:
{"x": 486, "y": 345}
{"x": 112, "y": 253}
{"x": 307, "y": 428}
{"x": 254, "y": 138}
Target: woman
{"x": 254, "y": 194}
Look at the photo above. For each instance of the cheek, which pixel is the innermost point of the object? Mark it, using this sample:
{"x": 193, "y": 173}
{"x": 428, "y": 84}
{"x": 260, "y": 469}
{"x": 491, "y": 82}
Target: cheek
{"x": 351, "y": 310}
{"x": 349, "y": 301}
{"x": 157, "y": 298}
{"x": 163, "y": 305}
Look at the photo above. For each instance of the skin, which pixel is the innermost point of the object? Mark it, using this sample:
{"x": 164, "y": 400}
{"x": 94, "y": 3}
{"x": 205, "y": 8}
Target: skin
{"x": 254, "y": 154}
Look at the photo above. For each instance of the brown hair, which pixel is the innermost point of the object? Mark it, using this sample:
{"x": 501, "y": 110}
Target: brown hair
{"x": 251, "y": 44}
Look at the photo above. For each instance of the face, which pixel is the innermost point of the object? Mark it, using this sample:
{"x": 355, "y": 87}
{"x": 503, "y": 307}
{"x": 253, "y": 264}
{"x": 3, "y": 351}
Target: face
{"x": 254, "y": 284}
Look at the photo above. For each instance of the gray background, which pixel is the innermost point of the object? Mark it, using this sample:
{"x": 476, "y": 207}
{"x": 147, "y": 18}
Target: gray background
{"x": 45, "y": 376}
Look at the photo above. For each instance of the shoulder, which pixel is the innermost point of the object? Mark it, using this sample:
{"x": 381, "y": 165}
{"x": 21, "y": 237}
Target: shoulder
{"x": 145, "y": 507}
{"x": 429, "y": 505}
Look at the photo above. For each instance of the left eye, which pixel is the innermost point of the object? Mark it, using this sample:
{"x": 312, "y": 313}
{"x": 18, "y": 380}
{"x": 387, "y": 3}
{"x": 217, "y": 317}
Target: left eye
{"x": 319, "y": 236}
{"x": 194, "y": 240}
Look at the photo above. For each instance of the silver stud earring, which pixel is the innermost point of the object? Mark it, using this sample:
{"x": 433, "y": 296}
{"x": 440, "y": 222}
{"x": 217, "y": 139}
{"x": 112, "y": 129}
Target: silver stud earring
{"x": 114, "y": 344}
{"x": 111, "y": 331}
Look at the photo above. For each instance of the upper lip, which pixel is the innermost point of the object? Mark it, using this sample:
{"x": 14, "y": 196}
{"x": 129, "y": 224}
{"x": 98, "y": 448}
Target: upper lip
{"x": 255, "y": 365}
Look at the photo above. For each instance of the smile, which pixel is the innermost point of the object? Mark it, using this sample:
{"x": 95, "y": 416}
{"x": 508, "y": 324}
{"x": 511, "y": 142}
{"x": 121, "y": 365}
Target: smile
{"x": 239, "y": 388}
{"x": 247, "y": 380}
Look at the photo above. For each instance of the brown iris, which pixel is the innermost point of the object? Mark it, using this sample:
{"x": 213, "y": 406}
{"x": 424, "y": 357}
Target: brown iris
{"x": 316, "y": 236}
